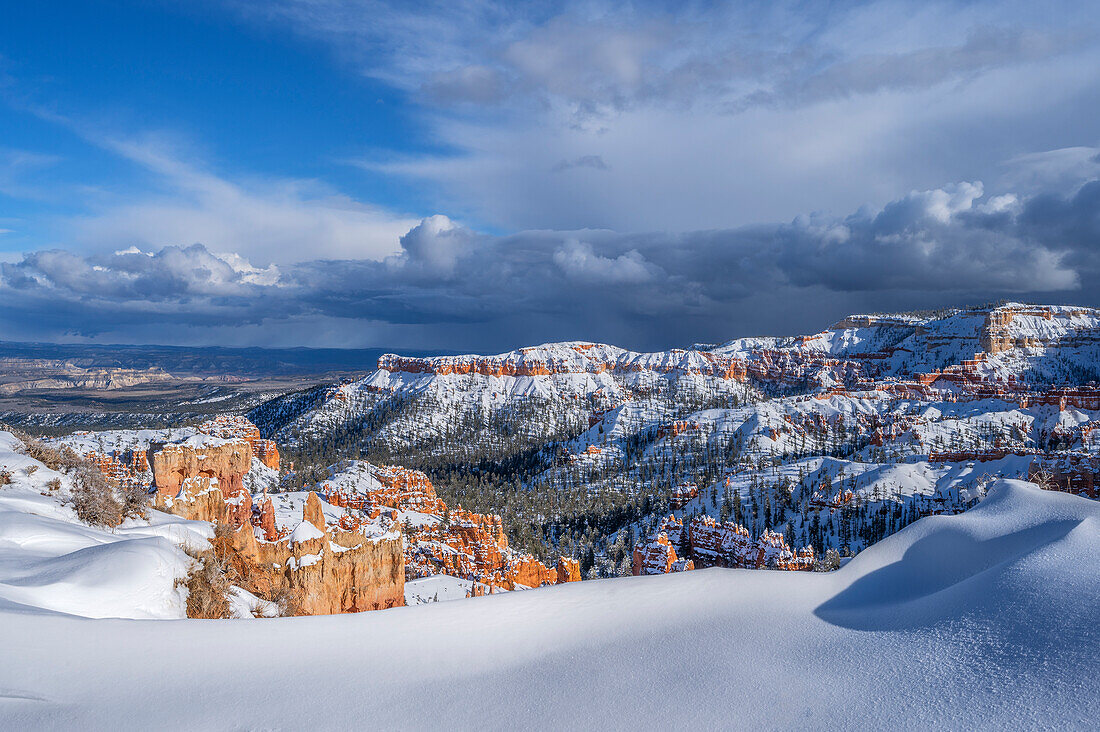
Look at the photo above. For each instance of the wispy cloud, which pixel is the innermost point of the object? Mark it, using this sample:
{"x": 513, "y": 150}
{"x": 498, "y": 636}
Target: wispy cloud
{"x": 594, "y": 162}
{"x": 185, "y": 201}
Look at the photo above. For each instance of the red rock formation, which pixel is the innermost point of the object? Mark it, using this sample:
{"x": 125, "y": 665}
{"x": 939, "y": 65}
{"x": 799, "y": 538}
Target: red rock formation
{"x": 459, "y": 543}
{"x": 657, "y": 556}
{"x": 683, "y": 494}
{"x": 568, "y": 570}
{"x": 117, "y": 474}
{"x": 235, "y": 427}
{"x": 332, "y": 570}
{"x": 710, "y": 543}
{"x": 313, "y": 513}
{"x": 534, "y": 362}
{"x": 264, "y": 520}
{"x": 227, "y": 461}
{"x": 526, "y": 571}
{"x": 731, "y": 545}
{"x": 1070, "y": 473}
{"x": 343, "y": 567}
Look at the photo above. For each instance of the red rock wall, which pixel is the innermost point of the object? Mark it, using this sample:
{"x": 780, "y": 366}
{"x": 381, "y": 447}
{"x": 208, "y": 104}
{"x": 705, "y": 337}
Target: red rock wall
{"x": 228, "y": 462}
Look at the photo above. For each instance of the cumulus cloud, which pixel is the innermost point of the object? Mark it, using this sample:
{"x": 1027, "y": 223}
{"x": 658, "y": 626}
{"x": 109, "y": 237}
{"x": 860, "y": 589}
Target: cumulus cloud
{"x": 457, "y": 288}
{"x": 581, "y": 263}
{"x": 433, "y": 246}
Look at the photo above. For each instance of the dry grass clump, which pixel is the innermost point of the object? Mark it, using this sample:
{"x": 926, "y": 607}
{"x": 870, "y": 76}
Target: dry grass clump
{"x": 222, "y": 567}
{"x": 63, "y": 460}
{"x": 207, "y": 587}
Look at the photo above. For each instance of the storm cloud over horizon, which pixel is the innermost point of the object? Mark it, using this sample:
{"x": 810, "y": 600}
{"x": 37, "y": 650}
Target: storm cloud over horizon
{"x": 450, "y": 287}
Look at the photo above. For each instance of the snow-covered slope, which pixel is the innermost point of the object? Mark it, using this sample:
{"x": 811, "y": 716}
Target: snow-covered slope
{"x": 543, "y": 392}
{"x": 49, "y": 561}
{"x": 1036, "y": 342}
{"x": 986, "y": 620}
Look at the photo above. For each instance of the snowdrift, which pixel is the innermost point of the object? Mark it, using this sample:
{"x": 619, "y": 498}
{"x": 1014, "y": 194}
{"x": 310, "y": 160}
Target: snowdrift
{"x": 49, "y": 561}
{"x": 985, "y": 620}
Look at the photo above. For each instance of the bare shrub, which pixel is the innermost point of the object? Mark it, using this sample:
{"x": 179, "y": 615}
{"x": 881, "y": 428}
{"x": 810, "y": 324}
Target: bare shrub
{"x": 207, "y": 587}
{"x": 62, "y": 460}
{"x": 134, "y": 500}
{"x": 1043, "y": 478}
{"x": 53, "y": 485}
{"x": 259, "y": 579}
{"x": 5, "y": 476}
{"x": 93, "y": 500}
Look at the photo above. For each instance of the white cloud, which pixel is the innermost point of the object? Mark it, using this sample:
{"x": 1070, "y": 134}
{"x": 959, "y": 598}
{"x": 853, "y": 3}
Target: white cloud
{"x": 279, "y": 220}
{"x": 579, "y": 262}
{"x": 451, "y": 287}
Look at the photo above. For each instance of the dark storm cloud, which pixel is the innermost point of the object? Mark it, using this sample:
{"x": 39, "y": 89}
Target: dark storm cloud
{"x": 936, "y": 247}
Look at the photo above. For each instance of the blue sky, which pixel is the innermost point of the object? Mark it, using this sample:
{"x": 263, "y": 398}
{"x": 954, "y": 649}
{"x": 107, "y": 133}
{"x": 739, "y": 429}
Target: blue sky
{"x": 247, "y": 100}
{"x": 477, "y": 175}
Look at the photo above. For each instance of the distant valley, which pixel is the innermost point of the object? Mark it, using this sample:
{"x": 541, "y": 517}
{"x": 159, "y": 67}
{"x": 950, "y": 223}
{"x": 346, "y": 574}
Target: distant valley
{"x": 59, "y": 387}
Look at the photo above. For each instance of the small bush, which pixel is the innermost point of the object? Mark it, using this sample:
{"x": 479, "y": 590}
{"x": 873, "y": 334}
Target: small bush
{"x": 134, "y": 500}
{"x": 5, "y": 476}
{"x": 259, "y": 579}
{"x": 62, "y": 460}
{"x": 53, "y": 485}
{"x": 93, "y": 500}
{"x": 31, "y": 469}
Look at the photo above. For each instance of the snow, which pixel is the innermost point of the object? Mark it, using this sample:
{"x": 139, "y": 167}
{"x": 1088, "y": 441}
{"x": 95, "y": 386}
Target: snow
{"x": 438, "y": 588}
{"x": 983, "y": 620}
{"x": 121, "y": 440}
{"x": 243, "y": 605}
{"x": 305, "y": 531}
{"x": 51, "y": 562}
{"x": 307, "y": 560}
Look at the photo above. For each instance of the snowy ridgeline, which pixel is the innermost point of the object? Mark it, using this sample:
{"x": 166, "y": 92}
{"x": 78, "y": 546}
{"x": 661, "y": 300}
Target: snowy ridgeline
{"x": 984, "y": 620}
{"x": 615, "y": 434}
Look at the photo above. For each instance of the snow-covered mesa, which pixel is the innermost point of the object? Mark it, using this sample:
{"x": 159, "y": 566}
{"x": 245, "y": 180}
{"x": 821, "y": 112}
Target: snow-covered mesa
{"x": 987, "y": 619}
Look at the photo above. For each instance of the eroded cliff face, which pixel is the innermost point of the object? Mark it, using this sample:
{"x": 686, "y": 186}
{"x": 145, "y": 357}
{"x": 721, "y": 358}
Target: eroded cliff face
{"x": 342, "y": 550}
{"x": 237, "y": 427}
{"x": 331, "y": 569}
{"x": 226, "y": 461}
{"x": 658, "y": 556}
{"x": 569, "y": 358}
{"x": 441, "y": 539}
{"x": 710, "y": 543}
{"x": 321, "y": 566}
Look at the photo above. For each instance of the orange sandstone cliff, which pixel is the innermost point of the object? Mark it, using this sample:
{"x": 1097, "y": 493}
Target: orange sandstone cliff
{"x": 323, "y": 566}
{"x": 442, "y": 540}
